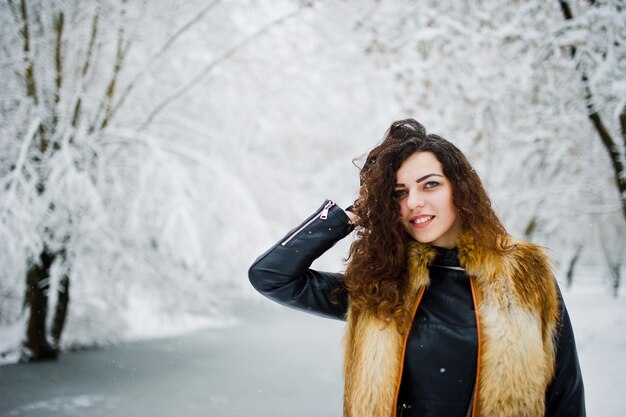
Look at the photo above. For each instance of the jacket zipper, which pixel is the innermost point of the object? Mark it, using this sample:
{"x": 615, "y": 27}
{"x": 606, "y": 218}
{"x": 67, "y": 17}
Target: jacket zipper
{"x": 476, "y": 298}
{"x": 406, "y": 339}
{"x": 404, "y": 407}
{"x": 323, "y": 215}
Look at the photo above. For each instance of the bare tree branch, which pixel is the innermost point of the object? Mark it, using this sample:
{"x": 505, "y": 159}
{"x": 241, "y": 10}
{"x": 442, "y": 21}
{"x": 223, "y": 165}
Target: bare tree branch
{"x": 107, "y": 100}
{"x": 122, "y": 49}
{"x": 610, "y": 144}
{"x": 184, "y": 28}
{"x": 213, "y": 64}
{"x": 86, "y": 64}
{"x": 622, "y": 123}
{"x": 29, "y": 73}
{"x": 92, "y": 42}
{"x": 58, "y": 66}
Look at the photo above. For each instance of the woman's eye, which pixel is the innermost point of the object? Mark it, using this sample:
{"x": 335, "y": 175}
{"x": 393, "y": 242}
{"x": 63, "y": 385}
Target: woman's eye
{"x": 431, "y": 184}
{"x": 400, "y": 193}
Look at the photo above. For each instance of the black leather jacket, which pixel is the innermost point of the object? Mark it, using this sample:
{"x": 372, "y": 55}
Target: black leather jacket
{"x": 283, "y": 274}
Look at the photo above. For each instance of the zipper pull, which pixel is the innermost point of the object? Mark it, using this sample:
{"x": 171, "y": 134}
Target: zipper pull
{"x": 324, "y": 214}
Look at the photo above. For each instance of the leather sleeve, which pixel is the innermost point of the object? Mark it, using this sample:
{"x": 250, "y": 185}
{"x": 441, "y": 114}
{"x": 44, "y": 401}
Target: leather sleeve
{"x": 565, "y": 396}
{"x": 283, "y": 273}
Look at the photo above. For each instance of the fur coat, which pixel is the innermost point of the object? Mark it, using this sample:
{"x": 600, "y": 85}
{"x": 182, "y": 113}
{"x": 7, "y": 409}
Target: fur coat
{"x": 517, "y": 312}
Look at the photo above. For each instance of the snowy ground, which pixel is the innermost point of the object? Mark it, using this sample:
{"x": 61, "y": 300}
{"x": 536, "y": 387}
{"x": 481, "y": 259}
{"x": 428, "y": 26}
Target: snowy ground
{"x": 599, "y": 324}
{"x": 276, "y": 362}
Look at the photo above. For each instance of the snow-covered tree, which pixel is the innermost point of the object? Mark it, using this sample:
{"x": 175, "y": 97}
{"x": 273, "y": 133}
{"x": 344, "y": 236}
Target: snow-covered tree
{"x": 534, "y": 92}
{"x": 96, "y": 192}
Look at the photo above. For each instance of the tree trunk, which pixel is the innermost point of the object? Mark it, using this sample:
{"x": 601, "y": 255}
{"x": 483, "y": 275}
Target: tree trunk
{"x": 617, "y": 277}
{"x": 37, "y": 285}
{"x": 60, "y": 312}
{"x": 572, "y": 265}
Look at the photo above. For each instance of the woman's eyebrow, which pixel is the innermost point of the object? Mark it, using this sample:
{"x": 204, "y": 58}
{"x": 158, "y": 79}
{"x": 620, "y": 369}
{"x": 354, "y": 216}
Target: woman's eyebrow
{"x": 420, "y": 179}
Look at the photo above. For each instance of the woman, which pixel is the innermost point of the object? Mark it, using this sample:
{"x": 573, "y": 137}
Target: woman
{"x": 447, "y": 315}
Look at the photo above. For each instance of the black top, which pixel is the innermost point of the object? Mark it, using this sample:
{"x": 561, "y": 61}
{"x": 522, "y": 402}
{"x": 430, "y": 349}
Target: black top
{"x": 437, "y": 379}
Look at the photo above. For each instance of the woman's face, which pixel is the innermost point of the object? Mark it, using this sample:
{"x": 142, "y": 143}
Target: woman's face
{"x": 425, "y": 198}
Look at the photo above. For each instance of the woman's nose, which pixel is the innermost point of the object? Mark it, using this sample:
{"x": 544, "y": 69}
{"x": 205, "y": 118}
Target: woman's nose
{"x": 415, "y": 200}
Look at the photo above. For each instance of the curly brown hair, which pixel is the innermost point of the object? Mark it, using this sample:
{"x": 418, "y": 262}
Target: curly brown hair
{"x": 376, "y": 271}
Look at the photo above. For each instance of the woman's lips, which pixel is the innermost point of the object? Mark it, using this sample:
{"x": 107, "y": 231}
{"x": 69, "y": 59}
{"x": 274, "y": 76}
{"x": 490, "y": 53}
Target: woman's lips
{"x": 420, "y": 222}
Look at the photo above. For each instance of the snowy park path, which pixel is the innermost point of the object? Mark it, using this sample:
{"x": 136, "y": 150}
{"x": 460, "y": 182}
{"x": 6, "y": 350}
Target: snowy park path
{"x": 275, "y": 362}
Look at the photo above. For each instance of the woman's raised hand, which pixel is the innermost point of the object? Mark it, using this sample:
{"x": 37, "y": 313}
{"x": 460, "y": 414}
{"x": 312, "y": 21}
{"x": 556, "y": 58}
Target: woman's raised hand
{"x": 351, "y": 215}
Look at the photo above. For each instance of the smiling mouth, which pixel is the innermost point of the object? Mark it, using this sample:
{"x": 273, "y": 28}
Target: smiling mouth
{"x": 421, "y": 220}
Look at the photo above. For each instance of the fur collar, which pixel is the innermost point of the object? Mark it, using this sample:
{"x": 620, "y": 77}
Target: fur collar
{"x": 517, "y": 318}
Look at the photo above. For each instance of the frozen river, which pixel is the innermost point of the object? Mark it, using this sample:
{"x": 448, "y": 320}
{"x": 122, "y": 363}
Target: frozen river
{"x": 275, "y": 362}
